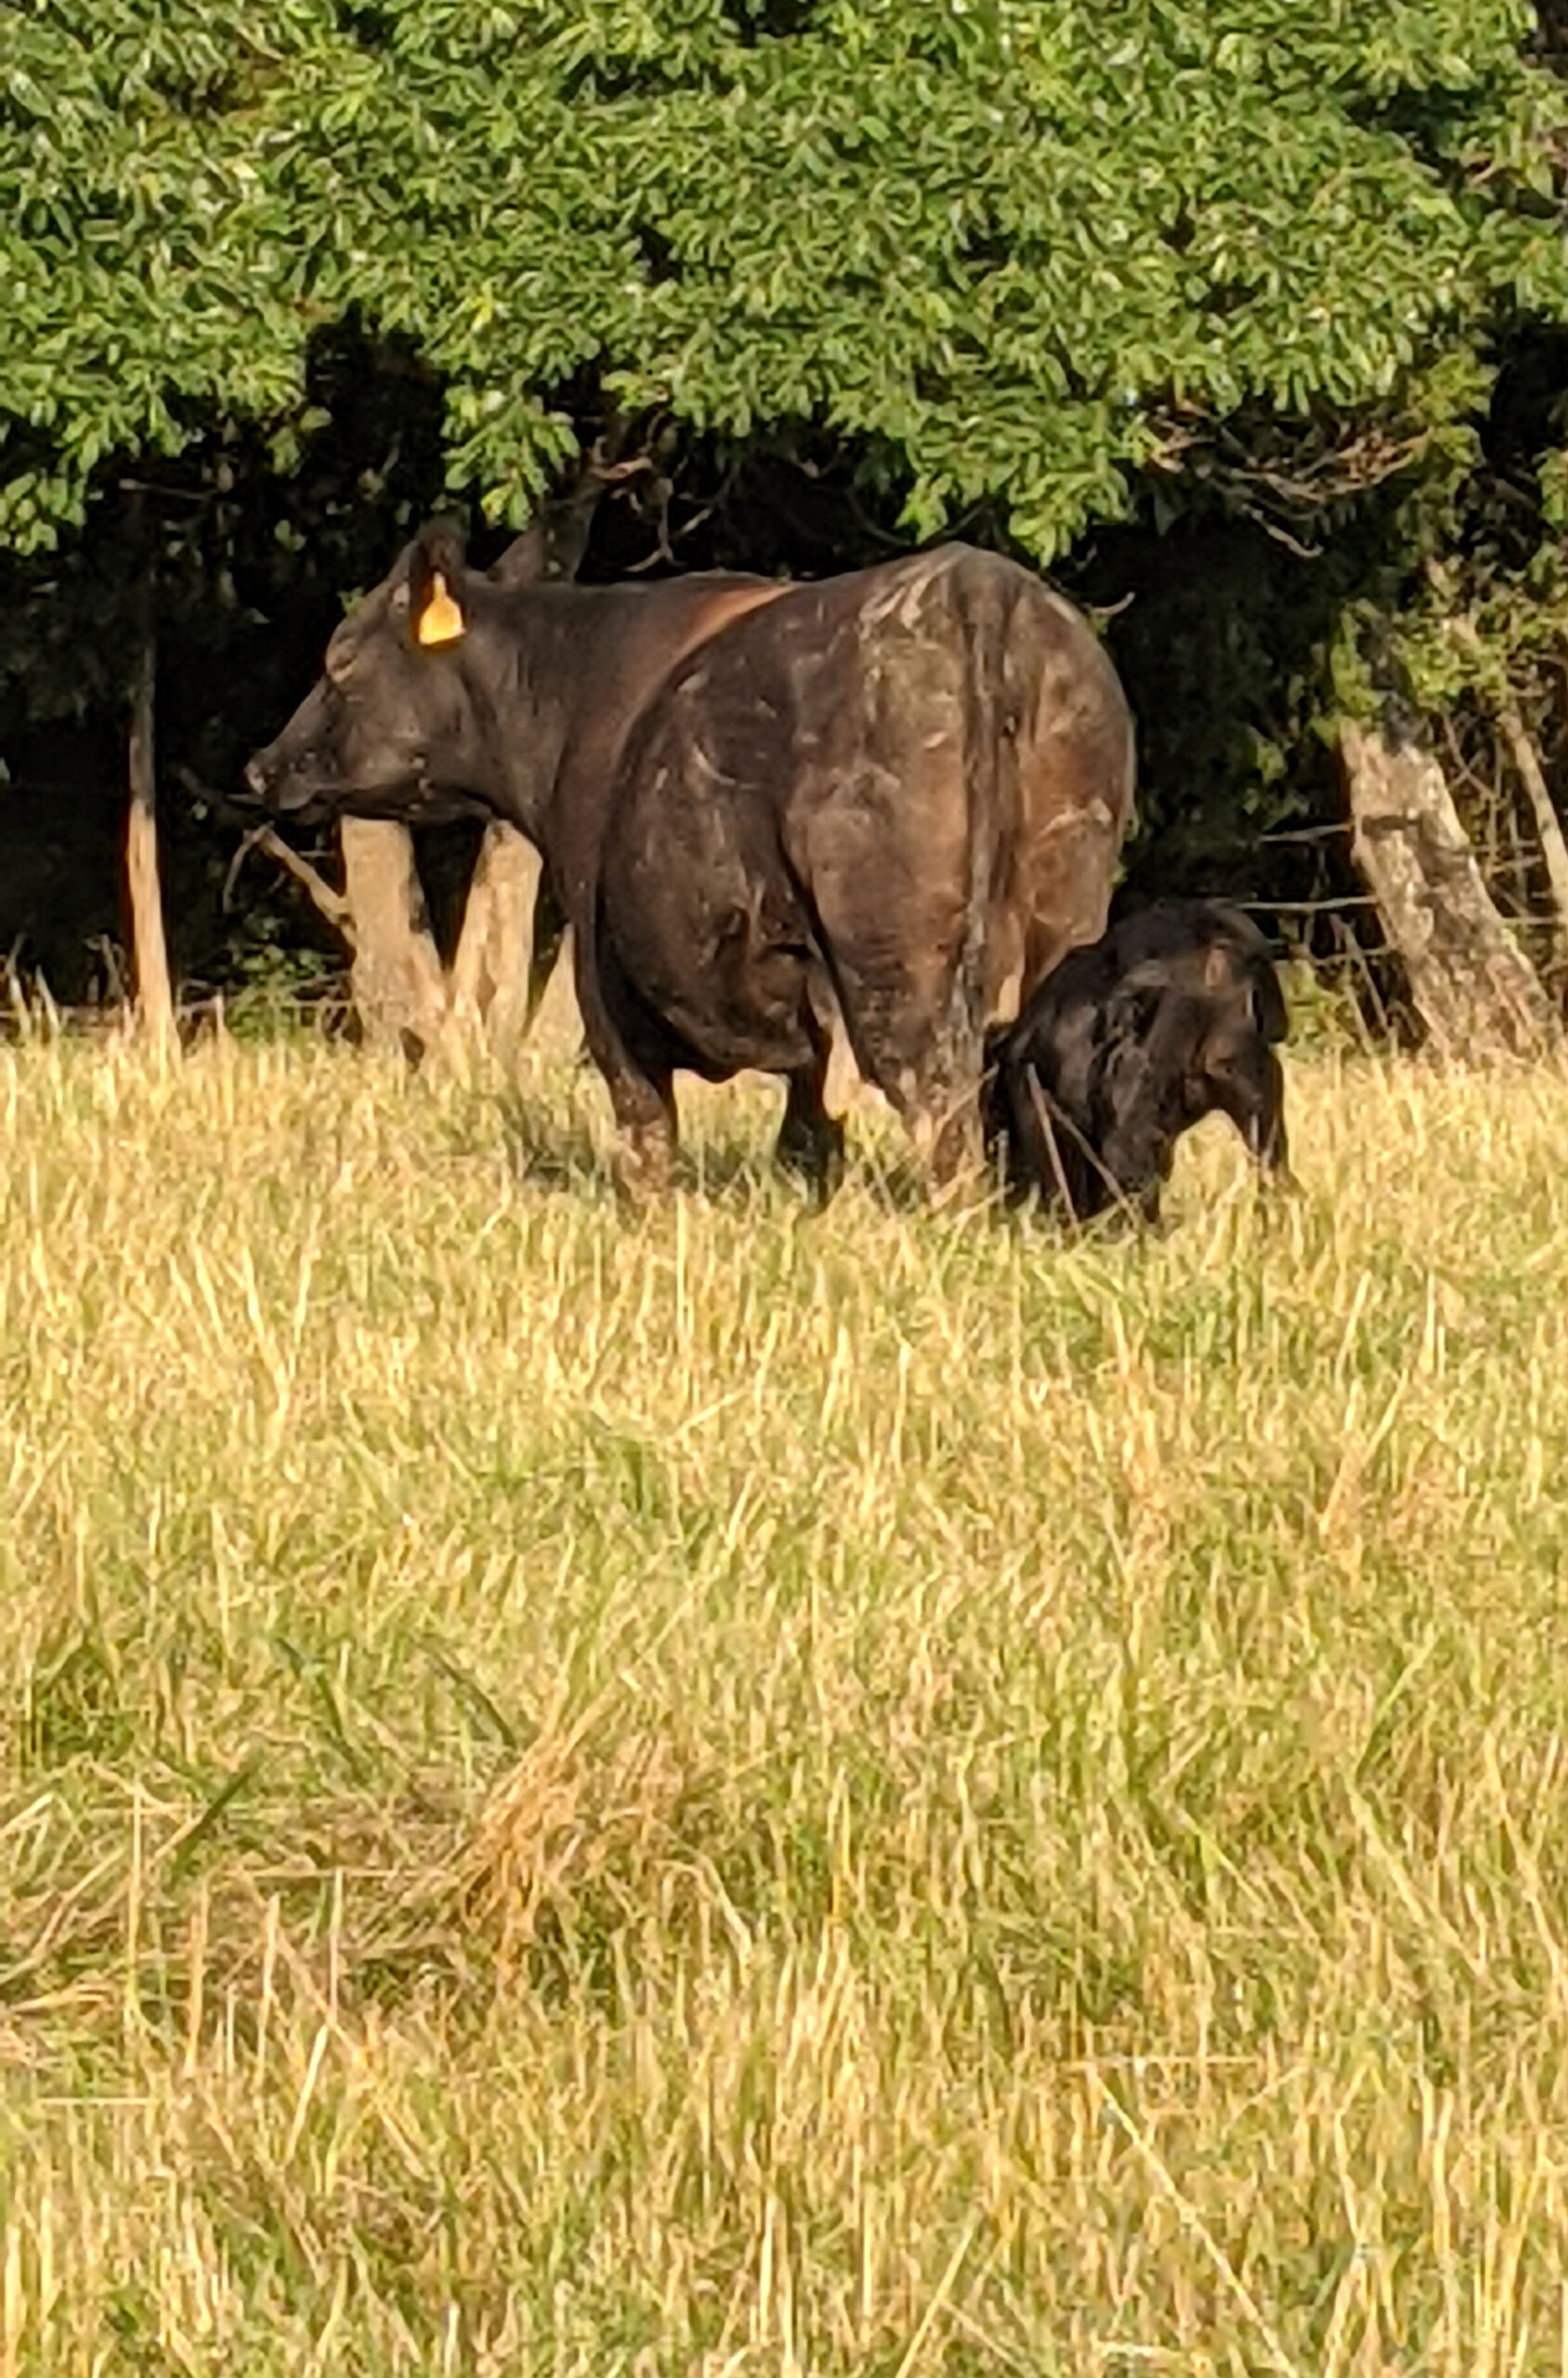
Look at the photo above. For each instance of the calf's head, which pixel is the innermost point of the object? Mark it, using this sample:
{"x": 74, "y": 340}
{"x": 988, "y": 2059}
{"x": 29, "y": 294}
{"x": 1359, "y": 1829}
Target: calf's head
{"x": 392, "y": 727}
{"x": 1241, "y": 1017}
{"x": 1192, "y": 1032}
{"x": 1173, "y": 1014}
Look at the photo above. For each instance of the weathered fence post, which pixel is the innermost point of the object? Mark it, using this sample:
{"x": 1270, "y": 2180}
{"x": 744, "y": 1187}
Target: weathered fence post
{"x": 1473, "y": 987}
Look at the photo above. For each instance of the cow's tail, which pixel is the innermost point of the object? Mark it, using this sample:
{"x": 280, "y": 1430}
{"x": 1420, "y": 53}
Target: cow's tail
{"x": 992, "y": 723}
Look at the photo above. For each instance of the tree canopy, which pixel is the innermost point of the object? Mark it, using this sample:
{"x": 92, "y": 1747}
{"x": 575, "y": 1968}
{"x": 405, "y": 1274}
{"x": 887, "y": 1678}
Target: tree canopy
{"x": 1025, "y": 250}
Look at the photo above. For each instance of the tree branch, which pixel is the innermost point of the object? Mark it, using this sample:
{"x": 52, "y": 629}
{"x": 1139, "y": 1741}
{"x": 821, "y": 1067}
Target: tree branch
{"x": 332, "y": 903}
{"x": 1526, "y": 761}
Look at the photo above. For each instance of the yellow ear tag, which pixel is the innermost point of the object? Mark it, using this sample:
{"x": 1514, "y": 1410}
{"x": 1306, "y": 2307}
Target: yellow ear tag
{"x": 441, "y": 622}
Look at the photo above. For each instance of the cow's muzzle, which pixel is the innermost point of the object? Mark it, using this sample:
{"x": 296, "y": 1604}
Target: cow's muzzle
{"x": 283, "y": 791}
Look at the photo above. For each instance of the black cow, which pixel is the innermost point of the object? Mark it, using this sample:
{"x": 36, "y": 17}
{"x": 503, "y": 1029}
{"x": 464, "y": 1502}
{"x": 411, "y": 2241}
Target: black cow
{"x": 899, "y": 792}
{"x": 1170, "y": 1016}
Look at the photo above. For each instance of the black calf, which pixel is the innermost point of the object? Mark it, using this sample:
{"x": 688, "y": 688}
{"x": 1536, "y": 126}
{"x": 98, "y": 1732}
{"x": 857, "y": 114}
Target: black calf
{"x": 1170, "y": 1015}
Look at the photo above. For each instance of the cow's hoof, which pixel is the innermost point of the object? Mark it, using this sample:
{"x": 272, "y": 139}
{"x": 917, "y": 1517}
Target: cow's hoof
{"x": 644, "y": 1166}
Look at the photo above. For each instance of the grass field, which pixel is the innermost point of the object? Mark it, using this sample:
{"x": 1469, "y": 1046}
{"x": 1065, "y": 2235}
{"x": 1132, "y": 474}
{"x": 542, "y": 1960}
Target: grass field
{"x": 758, "y": 1793}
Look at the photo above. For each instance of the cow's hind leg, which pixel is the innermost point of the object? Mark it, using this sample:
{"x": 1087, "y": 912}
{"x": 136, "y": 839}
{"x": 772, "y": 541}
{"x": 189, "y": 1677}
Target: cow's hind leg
{"x": 810, "y": 1141}
{"x": 943, "y": 1114}
{"x": 645, "y": 1110}
{"x": 931, "y": 1079}
{"x": 638, "y": 1071}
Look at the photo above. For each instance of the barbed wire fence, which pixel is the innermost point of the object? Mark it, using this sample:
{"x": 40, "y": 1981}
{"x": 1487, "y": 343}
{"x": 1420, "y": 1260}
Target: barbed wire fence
{"x": 1329, "y": 925}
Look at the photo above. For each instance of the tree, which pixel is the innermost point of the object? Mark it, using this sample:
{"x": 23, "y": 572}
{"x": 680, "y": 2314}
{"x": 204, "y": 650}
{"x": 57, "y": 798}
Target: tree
{"x": 1034, "y": 268}
{"x": 1027, "y": 250}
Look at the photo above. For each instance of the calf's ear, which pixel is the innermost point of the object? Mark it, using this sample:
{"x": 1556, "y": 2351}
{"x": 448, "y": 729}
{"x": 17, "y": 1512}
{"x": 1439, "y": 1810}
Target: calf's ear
{"x": 1269, "y": 1012}
{"x": 1134, "y": 1006}
{"x": 436, "y": 565}
{"x": 1253, "y": 974}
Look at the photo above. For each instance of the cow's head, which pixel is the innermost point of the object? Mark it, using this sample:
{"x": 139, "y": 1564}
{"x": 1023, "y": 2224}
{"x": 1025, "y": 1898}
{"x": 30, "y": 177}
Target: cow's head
{"x": 393, "y": 727}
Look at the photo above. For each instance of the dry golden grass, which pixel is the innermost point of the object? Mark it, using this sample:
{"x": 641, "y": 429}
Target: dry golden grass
{"x": 755, "y": 1793}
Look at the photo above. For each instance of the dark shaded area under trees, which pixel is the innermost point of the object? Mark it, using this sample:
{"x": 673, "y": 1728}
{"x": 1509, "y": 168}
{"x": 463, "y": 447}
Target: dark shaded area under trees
{"x": 1219, "y": 624}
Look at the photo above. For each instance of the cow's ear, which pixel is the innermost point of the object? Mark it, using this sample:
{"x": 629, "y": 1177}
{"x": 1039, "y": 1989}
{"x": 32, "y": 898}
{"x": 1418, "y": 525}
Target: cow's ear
{"x": 526, "y": 561}
{"x": 436, "y": 567}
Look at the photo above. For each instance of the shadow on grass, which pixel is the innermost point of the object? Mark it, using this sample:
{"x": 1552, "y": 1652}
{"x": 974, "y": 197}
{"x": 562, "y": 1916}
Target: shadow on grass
{"x": 558, "y": 1151}
{"x": 559, "y": 1154}
{"x": 552, "y": 1152}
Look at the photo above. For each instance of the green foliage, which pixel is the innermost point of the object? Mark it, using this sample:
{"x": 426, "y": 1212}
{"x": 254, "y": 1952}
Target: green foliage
{"x": 1019, "y": 245}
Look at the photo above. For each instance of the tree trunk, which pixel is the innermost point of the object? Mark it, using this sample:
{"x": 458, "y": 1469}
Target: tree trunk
{"x": 400, "y": 994}
{"x": 1549, "y": 826}
{"x": 154, "y": 994}
{"x": 1527, "y": 766}
{"x": 490, "y": 989}
{"x": 1472, "y": 985}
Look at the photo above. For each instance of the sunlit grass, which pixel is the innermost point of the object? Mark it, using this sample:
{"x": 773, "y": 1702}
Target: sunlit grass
{"x": 757, "y": 1792}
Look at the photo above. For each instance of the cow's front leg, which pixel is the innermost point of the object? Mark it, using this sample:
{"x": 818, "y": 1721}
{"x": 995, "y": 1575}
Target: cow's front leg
{"x": 549, "y": 932}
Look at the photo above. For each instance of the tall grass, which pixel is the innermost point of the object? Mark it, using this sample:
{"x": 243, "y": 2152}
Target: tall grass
{"x": 751, "y": 1791}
